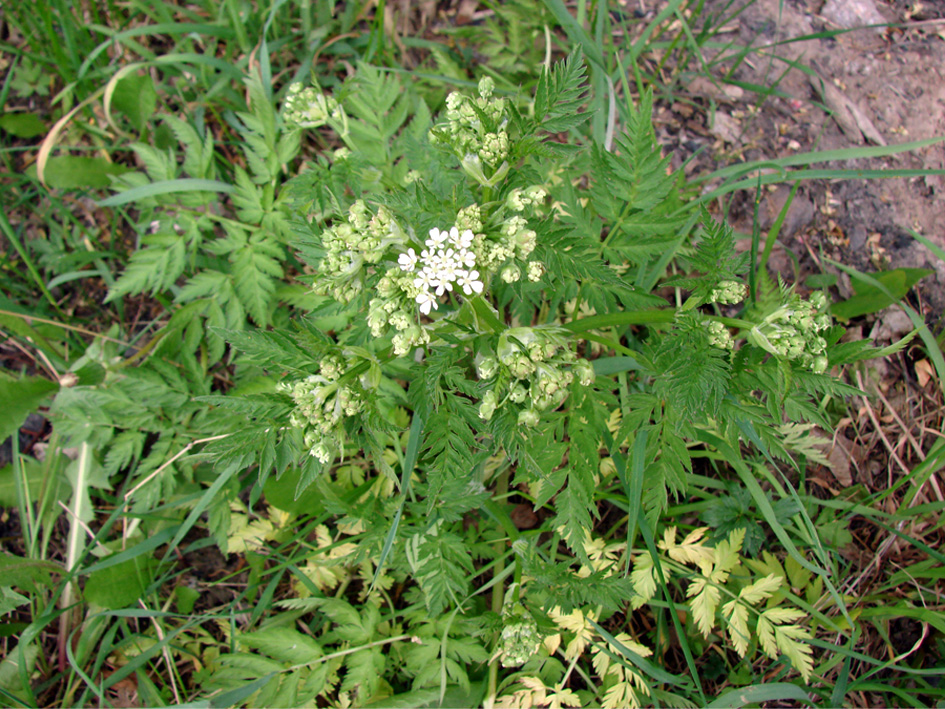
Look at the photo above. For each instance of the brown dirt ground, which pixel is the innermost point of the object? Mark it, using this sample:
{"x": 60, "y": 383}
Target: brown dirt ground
{"x": 892, "y": 84}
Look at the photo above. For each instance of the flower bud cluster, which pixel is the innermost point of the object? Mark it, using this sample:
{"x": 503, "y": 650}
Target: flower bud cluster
{"x": 513, "y": 242}
{"x": 350, "y": 246}
{"x": 520, "y": 200}
{"x": 321, "y": 405}
{"x": 531, "y": 370}
{"x": 728, "y": 293}
{"x": 475, "y": 131}
{"x": 520, "y": 638}
{"x": 310, "y": 108}
{"x": 719, "y": 335}
{"x": 794, "y": 330}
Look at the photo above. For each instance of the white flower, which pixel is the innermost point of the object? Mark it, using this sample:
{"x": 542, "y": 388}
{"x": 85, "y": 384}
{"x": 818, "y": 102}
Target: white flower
{"x": 408, "y": 261}
{"x": 437, "y": 237}
{"x": 426, "y": 300}
{"x": 426, "y": 279}
{"x": 469, "y": 282}
{"x": 461, "y": 241}
{"x": 467, "y": 258}
{"x": 444, "y": 285}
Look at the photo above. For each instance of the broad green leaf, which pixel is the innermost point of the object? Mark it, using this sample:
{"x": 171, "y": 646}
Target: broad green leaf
{"x": 756, "y": 694}
{"x": 136, "y": 98}
{"x": 869, "y": 299}
{"x": 25, "y": 573}
{"x": 75, "y": 172}
{"x": 22, "y": 125}
{"x": 284, "y": 645}
{"x": 280, "y": 493}
{"x": 20, "y": 398}
{"x": 454, "y": 698}
{"x": 119, "y": 586}
{"x": 185, "y": 598}
{"x": 10, "y": 600}
{"x": 33, "y": 474}
{"x": 10, "y": 669}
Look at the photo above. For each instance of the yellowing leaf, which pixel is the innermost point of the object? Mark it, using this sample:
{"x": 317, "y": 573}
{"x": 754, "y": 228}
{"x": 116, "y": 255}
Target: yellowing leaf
{"x": 705, "y": 600}
{"x": 643, "y": 579}
{"x": 552, "y": 643}
{"x": 768, "y": 564}
{"x": 790, "y": 640}
{"x": 577, "y": 623}
{"x": 690, "y": 550}
{"x": 760, "y": 589}
{"x": 736, "y": 616}
{"x": 765, "y": 633}
{"x": 534, "y": 694}
{"x": 630, "y": 644}
{"x": 245, "y": 535}
{"x": 563, "y": 698}
{"x": 620, "y": 695}
{"x": 726, "y": 552}
{"x": 783, "y": 615}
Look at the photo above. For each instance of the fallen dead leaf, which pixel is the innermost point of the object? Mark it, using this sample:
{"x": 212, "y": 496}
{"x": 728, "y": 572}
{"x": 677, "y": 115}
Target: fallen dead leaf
{"x": 924, "y": 372}
{"x": 725, "y": 127}
{"x": 524, "y": 517}
{"x": 706, "y": 88}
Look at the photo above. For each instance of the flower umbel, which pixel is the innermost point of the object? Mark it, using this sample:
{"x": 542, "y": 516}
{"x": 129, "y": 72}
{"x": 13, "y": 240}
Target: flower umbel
{"x": 447, "y": 260}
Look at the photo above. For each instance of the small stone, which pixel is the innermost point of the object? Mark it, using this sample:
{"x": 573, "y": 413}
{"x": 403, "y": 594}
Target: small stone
{"x": 849, "y": 14}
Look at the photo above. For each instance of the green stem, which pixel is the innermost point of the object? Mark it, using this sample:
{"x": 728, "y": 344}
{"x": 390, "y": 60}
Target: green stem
{"x": 498, "y": 595}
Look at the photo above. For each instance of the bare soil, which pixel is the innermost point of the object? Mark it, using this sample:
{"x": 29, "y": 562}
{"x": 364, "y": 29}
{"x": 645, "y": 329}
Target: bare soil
{"x": 862, "y": 87}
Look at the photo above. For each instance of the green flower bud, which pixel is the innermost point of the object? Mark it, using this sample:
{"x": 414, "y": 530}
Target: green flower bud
{"x": 518, "y": 394}
{"x": 322, "y": 452}
{"x": 487, "y": 367}
{"x": 521, "y": 366}
{"x": 488, "y": 405}
{"x": 331, "y": 367}
{"x": 535, "y": 270}
{"x": 510, "y": 274}
{"x": 584, "y": 371}
{"x": 469, "y": 218}
{"x": 528, "y": 417}
{"x": 514, "y": 201}
{"x": 728, "y": 292}
{"x": 536, "y": 194}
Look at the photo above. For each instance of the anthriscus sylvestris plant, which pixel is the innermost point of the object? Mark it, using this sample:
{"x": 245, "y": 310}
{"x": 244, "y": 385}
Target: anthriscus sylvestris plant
{"x": 493, "y": 333}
